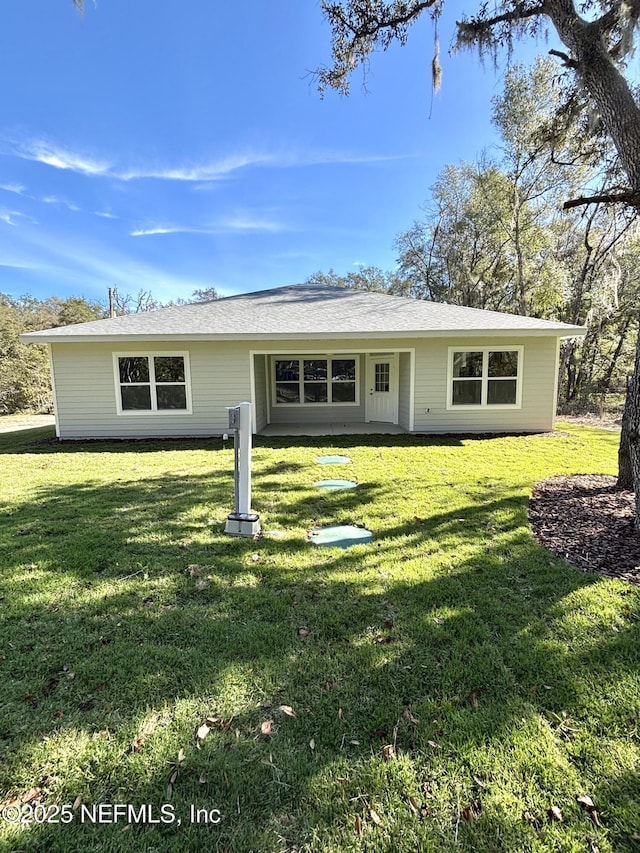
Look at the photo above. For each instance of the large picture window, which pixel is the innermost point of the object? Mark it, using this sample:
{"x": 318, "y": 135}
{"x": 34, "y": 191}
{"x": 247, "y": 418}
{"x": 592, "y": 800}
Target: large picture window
{"x": 312, "y": 381}
{"x": 485, "y": 377}
{"x": 152, "y": 383}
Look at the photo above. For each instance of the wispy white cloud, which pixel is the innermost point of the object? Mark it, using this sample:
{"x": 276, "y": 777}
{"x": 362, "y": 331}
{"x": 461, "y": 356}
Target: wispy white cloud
{"x": 50, "y": 154}
{"x": 202, "y": 174}
{"x": 238, "y": 223}
{"x": 155, "y": 230}
{"x": 104, "y": 214}
{"x": 15, "y": 217}
{"x": 18, "y": 189}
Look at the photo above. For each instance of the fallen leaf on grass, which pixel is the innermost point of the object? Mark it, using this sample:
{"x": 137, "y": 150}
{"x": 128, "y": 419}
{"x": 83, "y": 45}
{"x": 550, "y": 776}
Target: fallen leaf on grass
{"x": 203, "y": 731}
{"x": 288, "y": 710}
{"x": 554, "y": 813}
{"x": 32, "y": 794}
{"x": 358, "y": 825}
{"x": 77, "y": 803}
{"x": 303, "y": 632}
{"x": 266, "y": 728}
{"x": 388, "y": 752}
{"x": 590, "y": 806}
{"x": 474, "y": 701}
{"x": 375, "y": 817}
{"x": 136, "y": 744}
{"x": 312, "y": 744}
{"x": 532, "y": 819}
{"x": 409, "y": 716}
{"x": 471, "y": 812}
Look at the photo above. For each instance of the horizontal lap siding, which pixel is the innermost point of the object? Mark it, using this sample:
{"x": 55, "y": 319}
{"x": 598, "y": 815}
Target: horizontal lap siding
{"x": 221, "y": 377}
{"x": 538, "y": 389}
{"x": 86, "y": 401}
{"x": 404, "y": 402}
{"x": 260, "y": 376}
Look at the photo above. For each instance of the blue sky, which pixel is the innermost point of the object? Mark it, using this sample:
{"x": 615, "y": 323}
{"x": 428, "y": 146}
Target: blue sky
{"x": 172, "y": 146}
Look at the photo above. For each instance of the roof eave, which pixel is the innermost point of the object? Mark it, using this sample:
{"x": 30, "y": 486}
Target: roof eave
{"x": 558, "y": 332}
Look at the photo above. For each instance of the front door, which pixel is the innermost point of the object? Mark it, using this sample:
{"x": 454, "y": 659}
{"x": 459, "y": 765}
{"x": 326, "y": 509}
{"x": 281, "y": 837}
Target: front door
{"x": 382, "y": 388}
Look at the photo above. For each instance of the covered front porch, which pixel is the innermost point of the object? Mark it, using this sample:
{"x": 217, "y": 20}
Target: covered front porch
{"x": 332, "y": 391}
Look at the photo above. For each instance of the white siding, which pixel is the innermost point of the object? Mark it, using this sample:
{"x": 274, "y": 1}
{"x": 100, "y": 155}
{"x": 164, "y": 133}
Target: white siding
{"x": 221, "y": 376}
{"x": 538, "y": 388}
{"x": 86, "y": 393}
{"x": 404, "y": 399}
{"x": 262, "y": 391}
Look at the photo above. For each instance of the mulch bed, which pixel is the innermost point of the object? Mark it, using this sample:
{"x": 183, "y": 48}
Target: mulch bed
{"x": 588, "y": 522}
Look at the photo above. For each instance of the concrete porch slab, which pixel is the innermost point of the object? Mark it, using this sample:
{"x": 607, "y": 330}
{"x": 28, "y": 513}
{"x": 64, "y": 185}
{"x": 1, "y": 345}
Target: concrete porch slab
{"x": 373, "y": 428}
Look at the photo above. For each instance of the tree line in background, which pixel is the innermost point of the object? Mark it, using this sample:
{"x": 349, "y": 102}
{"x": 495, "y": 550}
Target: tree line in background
{"x": 494, "y": 235}
{"x": 24, "y": 369}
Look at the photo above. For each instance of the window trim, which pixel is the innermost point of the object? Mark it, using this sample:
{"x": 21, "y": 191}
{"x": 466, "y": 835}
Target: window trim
{"x": 337, "y": 356}
{"x": 483, "y": 405}
{"x": 153, "y": 411}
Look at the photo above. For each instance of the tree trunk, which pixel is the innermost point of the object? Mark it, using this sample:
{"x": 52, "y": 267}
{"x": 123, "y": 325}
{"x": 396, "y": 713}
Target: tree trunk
{"x": 605, "y": 84}
{"x": 629, "y": 452}
{"x": 625, "y": 471}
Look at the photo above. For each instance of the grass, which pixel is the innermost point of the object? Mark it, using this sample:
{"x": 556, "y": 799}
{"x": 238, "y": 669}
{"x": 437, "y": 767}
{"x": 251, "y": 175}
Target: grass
{"x": 452, "y": 683}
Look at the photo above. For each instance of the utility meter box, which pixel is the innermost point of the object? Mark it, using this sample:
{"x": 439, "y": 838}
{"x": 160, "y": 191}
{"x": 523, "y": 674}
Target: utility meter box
{"x": 242, "y": 521}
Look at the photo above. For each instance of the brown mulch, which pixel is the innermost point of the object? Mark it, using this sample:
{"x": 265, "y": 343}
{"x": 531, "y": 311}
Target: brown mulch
{"x": 588, "y": 522}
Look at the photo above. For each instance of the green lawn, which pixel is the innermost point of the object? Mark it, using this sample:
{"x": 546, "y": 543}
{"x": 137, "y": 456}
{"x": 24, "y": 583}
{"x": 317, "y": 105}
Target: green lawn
{"x": 445, "y": 687}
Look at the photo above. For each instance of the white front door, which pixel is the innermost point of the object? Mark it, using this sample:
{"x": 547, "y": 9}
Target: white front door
{"x": 382, "y": 388}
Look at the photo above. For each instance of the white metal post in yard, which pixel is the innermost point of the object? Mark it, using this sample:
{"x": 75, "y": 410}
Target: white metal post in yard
{"x": 244, "y": 461}
{"x": 242, "y": 522}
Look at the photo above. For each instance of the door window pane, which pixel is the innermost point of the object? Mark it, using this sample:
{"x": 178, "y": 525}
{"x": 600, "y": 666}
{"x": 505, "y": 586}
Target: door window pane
{"x": 382, "y": 376}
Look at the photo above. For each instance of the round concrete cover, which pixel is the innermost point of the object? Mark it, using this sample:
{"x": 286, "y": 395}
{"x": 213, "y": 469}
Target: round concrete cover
{"x": 333, "y": 460}
{"x": 335, "y": 485}
{"x": 340, "y": 536}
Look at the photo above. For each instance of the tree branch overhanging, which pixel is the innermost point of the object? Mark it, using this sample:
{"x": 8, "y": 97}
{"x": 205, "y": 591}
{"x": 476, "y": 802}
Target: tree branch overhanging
{"x": 629, "y": 197}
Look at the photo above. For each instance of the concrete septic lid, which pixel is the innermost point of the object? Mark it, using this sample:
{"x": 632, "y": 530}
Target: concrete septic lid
{"x": 333, "y": 460}
{"x": 335, "y": 485}
{"x": 340, "y": 536}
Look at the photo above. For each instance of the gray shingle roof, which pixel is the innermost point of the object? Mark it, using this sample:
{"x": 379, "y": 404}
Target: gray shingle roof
{"x": 304, "y": 311}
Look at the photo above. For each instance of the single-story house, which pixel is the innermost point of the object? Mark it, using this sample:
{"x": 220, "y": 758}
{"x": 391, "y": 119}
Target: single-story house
{"x": 305, "y": 355}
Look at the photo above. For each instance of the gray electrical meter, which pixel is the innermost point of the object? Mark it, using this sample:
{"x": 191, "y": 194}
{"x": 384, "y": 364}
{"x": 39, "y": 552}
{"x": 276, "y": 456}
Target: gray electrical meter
{"x": 234, "y": 417}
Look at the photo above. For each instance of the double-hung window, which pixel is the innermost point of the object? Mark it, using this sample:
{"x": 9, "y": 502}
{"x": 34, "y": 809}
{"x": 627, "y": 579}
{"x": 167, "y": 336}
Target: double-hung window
{"x": 485, "y": 376}
{"x": 312, "y": 381}
{"x": 152, "y": 382}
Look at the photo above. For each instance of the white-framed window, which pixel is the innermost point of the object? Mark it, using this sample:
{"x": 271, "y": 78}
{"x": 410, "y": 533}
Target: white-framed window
{"x": 152, "y": 382}
{"x": 485, "y": 377}
{"x": 330, "y": 380}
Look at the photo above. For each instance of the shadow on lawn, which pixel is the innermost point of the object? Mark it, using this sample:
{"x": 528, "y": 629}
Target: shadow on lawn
{"x": 471, "y": 649}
